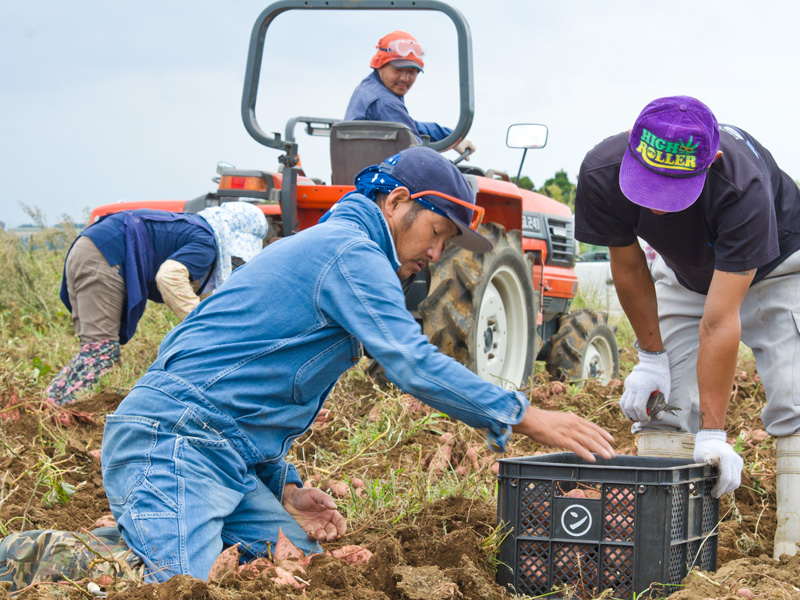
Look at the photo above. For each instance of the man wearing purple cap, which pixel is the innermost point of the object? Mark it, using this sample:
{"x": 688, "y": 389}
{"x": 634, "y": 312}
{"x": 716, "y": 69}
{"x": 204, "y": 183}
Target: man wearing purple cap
{"x": 380, "y": 96}
{"x": 725, "y": 221}
{"x": 194, "y": 457}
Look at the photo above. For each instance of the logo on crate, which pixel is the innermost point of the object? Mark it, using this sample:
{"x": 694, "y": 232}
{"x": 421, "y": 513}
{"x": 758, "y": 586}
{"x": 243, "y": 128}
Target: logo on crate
{"x": 576, "y": 520}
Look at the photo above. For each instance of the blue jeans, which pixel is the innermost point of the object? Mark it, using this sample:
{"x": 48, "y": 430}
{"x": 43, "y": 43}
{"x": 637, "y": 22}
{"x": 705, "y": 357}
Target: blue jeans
{"x": 180, "y": 492}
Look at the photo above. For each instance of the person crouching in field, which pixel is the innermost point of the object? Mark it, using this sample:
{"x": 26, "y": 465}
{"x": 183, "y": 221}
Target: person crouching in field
{"x": 193, "y": 457}
{"x": 725, "y": 220}
{"x": 125, "y": 259}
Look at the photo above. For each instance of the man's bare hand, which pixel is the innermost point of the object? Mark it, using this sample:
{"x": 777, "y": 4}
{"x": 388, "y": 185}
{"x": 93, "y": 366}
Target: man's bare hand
{"x": 315, "y": 511}
{"x": 566, "y": 430}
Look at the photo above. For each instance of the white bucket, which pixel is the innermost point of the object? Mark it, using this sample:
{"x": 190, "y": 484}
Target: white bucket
{"x": 669, "y": 444}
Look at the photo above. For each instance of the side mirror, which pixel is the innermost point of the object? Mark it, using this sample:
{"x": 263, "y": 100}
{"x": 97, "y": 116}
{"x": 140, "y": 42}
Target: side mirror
{"x": 527, "y": 136}
{"x": 223, "y": 166}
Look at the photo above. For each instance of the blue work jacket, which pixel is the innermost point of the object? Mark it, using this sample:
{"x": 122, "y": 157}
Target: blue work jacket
{"x": 373, "y": 101}
{"x": 260, "y": 356}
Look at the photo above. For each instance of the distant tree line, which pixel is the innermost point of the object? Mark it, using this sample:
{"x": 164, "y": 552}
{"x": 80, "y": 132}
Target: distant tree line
{"x": 558, "y": 187}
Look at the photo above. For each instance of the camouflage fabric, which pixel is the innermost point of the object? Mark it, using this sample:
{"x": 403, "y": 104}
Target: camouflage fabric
{"x": 51, "y": 555}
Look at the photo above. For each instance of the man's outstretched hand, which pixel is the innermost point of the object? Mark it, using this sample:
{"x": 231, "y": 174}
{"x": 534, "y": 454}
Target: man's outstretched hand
{"x": 315, "y": 511}
{"x": 566, "y": 430}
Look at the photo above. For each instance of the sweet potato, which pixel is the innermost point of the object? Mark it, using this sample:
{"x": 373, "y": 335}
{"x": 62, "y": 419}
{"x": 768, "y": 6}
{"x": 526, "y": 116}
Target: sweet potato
{"x": 227, "y": 562}
{"x": 285, "y": 549}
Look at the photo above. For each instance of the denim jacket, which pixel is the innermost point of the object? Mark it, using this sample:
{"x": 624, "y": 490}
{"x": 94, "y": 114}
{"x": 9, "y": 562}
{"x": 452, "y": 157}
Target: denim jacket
{"x": 262, "y": 354}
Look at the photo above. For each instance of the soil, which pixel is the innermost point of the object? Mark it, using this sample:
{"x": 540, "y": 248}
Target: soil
{"x": 435, "y": 553}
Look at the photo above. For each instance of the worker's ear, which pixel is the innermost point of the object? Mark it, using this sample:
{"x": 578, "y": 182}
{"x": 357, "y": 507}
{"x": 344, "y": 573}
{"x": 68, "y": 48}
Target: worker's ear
{"x": 396, "y": 198}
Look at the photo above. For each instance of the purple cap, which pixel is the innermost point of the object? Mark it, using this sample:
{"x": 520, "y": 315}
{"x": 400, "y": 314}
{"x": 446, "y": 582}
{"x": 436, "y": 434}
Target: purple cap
{"x": 670, "y": 149}
{"x": 421, "y": 168}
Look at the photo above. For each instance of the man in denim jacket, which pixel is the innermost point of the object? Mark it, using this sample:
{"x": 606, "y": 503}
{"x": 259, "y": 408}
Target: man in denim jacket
{"x": 193, "y": 458}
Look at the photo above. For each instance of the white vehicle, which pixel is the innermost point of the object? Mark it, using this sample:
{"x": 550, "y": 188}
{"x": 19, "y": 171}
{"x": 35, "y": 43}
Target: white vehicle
{"x": 595, "y": 282}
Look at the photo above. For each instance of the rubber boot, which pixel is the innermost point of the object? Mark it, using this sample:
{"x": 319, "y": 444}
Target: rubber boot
{"x": 670, "y": 444}
{"x": 787, "y": 536}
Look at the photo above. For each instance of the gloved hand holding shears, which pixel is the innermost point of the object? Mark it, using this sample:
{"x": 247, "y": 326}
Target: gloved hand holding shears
{"x": 649, "y": 376}
{"x": 646, "y": 397}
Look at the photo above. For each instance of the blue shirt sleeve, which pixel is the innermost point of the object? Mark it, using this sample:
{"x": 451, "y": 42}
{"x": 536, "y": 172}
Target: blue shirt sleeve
{"x": 197, "y": 257}
{"x": 381, "y": 110}
{"x": 435, "y": 131}
{"x": 183, "y": 241}
{"x": 395, "y": 112}
{"x": 364, "y": 296}
{"x": 276, "y": 475}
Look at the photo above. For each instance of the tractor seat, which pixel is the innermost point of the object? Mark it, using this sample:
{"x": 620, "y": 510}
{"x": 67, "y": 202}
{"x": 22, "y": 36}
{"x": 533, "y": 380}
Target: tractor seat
{"x": 359, "y": 144}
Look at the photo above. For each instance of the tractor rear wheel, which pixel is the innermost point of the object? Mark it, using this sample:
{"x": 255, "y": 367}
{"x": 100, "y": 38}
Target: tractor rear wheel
{"x": 584, "y": 347}
{"x": 480, "y": 309}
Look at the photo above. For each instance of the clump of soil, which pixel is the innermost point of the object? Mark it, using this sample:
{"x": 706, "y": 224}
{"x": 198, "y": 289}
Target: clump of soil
{"x": 417, "y": 560}
{"x": 40, "y": 453}
{"x": 435, "y": 552}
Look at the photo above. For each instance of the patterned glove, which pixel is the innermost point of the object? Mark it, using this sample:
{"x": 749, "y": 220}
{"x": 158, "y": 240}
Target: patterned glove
{"x": 650, "y": 375}
{"x": 711, "y": 447}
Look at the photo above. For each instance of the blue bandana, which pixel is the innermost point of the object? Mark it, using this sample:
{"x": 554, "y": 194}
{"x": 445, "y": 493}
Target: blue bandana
{"x": 421, "y": 168}
{"x": 370, "y": 182}
{"x": 373, "y": 181}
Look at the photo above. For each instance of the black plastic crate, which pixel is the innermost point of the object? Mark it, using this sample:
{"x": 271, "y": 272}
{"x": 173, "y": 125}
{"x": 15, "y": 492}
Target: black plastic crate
{"x": 643, "y": 524}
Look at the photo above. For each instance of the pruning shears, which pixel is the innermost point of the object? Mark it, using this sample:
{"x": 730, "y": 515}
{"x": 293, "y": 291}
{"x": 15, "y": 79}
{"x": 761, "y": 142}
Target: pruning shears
{"x": 656, "y": 403}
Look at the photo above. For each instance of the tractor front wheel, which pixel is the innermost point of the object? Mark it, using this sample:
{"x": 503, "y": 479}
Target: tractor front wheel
{"x": 584, "y": 347}
{"x": 480, "y": 309}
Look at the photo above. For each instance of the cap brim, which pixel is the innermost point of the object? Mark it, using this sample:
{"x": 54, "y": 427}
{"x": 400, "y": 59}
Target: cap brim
{"x": 469, "y": 239}
{"x": 402, "y": 64}
{"x": 659, "y": 192}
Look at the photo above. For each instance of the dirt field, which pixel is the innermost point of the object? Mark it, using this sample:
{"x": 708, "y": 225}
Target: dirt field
{"x": 439, "y": 548}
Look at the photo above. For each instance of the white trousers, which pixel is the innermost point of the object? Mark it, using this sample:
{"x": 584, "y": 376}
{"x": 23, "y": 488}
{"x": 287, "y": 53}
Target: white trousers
{"x": 770, "y": 318}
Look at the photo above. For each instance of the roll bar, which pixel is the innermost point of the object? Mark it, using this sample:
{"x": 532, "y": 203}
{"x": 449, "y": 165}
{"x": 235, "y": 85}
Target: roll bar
{"x": 256, "y": 51}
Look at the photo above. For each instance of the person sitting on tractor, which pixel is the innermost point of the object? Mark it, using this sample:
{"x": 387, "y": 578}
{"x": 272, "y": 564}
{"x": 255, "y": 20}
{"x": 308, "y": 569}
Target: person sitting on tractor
{"x": 194, "y": 457}
{"x": 125, "y": 259}
{"x": 380, "y": 96}
{"x": 725, "y": 221}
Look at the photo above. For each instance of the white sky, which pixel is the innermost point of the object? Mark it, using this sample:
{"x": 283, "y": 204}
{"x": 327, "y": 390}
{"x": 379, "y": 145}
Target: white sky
{"x": 103, "y": 101}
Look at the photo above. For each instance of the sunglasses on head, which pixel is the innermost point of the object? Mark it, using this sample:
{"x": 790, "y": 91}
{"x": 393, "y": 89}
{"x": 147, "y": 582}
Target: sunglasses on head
{"x": 477, "y": 211}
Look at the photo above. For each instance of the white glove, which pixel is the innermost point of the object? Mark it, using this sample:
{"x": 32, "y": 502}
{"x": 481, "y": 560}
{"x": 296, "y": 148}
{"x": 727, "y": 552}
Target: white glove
{"x": 650, "y": 375}
{"x": 711, "y": 447}
{"x": 463, "y": 146}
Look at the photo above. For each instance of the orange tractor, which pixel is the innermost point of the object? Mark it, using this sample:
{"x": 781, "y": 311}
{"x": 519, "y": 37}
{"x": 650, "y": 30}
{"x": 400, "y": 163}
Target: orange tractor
{"x": 496, "y": 313}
